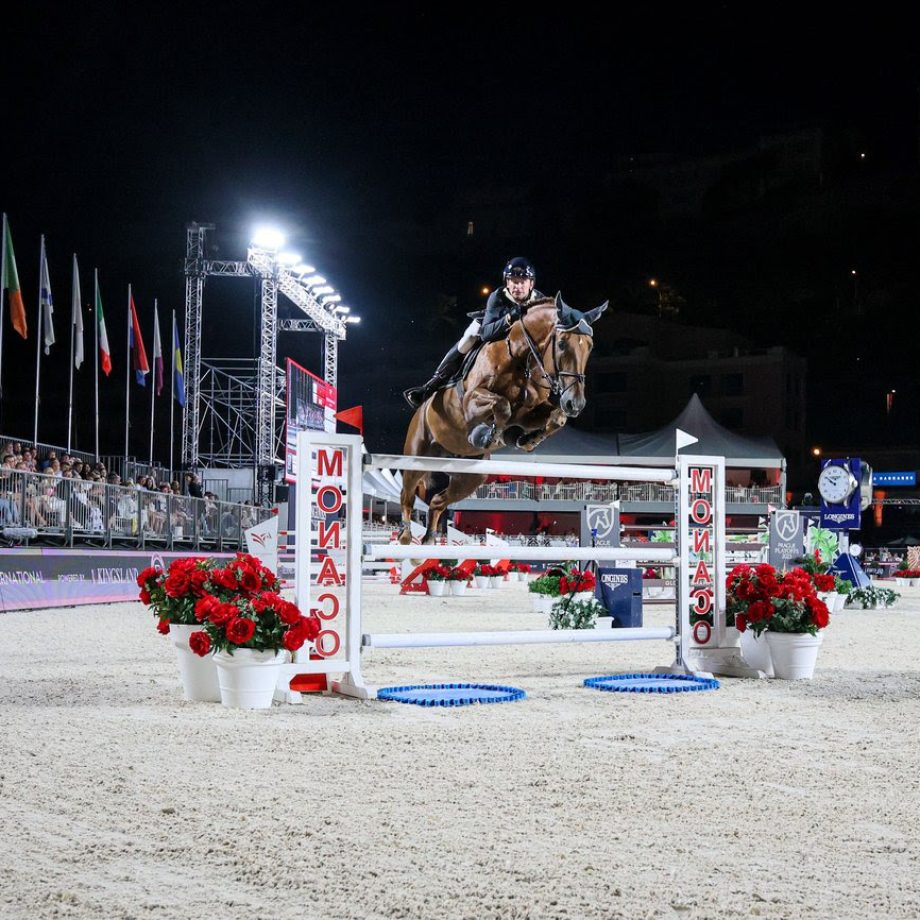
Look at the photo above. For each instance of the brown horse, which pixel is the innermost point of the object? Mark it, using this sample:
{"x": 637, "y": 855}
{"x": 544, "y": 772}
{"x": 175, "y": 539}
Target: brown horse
{"x": 519, "y": 391}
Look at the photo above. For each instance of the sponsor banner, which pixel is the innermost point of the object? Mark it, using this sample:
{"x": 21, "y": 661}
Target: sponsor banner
{"x": 41, "y": 577}
{"x": 787, "y": 538}
{"x": 262, "y": 542}
{"x": 311, "y": 406}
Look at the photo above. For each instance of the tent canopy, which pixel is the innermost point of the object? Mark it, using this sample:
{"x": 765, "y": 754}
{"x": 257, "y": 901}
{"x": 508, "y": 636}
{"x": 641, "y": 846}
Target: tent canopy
{"x": 657, "y": 448}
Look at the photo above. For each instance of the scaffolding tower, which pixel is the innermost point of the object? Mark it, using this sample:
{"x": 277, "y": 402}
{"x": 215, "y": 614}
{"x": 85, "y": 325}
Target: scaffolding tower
{"x": 238, "y": 406}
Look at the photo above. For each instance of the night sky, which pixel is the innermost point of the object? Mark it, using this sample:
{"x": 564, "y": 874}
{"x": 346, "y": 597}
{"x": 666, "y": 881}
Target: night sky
{"x": 361, "y": 133}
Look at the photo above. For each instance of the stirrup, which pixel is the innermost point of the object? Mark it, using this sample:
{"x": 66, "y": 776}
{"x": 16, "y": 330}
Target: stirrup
{"x": 415, "y": 396}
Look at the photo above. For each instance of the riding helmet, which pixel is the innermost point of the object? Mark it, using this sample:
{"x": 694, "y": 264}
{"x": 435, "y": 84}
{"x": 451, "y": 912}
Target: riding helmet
{"x": 519, "y": 267}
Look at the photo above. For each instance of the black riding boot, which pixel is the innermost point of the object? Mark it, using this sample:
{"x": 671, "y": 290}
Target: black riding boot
{"x": 449, "y": 366}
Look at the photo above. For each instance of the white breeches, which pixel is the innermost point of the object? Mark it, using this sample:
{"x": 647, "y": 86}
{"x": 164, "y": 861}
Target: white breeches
{"x": 470, "y": 337}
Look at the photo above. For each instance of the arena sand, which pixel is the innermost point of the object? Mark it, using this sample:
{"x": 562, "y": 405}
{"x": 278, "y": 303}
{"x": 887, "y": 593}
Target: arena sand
{"x": 771, "y": 799}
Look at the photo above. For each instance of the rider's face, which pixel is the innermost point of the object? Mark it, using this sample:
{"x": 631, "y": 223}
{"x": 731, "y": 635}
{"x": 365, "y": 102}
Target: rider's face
{"x": 519, "y": 288}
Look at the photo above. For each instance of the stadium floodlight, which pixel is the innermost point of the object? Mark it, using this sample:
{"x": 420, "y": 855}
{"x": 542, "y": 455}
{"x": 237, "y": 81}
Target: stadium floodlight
{"x": 352, "y": 319}
{"x": 330, "y": 298}
{"x": 341, "y": 309}
{"x": 288, "y": 258}
{"x": 303, "y": 269}
{"x": 316, "y": 279}
{"x": 267, "y": 238}
{"x": 323, "y": 289}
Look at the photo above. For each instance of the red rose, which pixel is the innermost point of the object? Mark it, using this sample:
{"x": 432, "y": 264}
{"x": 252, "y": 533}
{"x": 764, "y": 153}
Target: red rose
{"x": 293, "y": 639}
{"x": 824, "y": 582}
{"x": 741, "y": 622}
{"x": 288, "y": 613}
{"x": 204, "y": 607}
{"x": 146, "y": 575}
{"x": 145, "y": 596}
{"x": 177, "y": 583}
{"x": 199, "y": 643}
{"x": 198, "y": 581}
{"x": 250, "y": 581}
{"x": 220, "y": 614}
{"x": 163, "y": 627}
{"x": 240, "y": 630}
{"x": 311, "y": 627}
{"x": 224, "y": 578}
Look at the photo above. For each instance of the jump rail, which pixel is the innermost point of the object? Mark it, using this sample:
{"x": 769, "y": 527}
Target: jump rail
{"x": 328, "y": 563}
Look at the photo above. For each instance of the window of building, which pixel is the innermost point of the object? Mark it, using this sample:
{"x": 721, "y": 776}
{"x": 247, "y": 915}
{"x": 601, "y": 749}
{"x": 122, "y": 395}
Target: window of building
{"x": 732, "y": 417}
{"x": 732, "y": 384}
{"x": 701, "y": 384}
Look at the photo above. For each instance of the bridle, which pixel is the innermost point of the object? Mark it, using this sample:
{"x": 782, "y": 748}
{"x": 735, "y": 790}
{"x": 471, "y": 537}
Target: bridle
{"x": 552, "y": 381}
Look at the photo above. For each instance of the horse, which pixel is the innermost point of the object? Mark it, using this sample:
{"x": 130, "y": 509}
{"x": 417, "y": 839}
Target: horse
{"x": 519, "y": 391}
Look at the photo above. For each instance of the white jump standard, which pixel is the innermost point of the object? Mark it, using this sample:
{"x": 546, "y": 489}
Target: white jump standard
{"x": 328, "y": 565}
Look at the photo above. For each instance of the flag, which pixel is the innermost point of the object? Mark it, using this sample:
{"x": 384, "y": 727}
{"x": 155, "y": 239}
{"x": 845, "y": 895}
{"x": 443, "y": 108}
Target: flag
{"x": 46, "y": 301}
{"x": 105, "y": 354}
{"x": 77, "y": 316}
{"x": 353, "y": 417}
{"x": 177, "y": 366}
{"x": 136, "y": 345}
{"x": 9, "y": 281}
{"x": 157, "y": 352}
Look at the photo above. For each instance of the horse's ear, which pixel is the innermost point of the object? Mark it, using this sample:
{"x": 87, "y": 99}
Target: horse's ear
{"x": 592, "y": 315}
{"x": 565, "y": 315}
{"x": 561, "y": 305}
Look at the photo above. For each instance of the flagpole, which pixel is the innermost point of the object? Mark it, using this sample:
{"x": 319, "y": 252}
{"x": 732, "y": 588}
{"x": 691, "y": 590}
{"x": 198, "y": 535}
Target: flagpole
{"x": 38, "y": 337}
{"x": 153, "y": 382}
{"x": 2, "y": 301}
{"x": 128, "y": 363}
{"x": 96, "y": 351}
{"x": 73, "y": 295}
{"x": 172, "y": 390}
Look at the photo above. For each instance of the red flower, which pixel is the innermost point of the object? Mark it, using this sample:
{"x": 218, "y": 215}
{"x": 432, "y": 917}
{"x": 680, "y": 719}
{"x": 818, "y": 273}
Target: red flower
{"x": 563, "y": 585}
{"x": 741, "y": 622}
{"x": 219, "y": 614}
{"x": 293, "y": 639}
{"x": 250, "y": 581}
{"x": 819, "y": 613}
{"x": 198, "y": 581}
{"x": 177, "y": 583}
{"x": 288, "y": 612}
{"x": 240, "y": 630}
{"x": 145, "y": 596}
{"x": 163, "y": 627}
{"x": 199, "y": 643}
{"x": 205, "y": 606}
{"x": 759, "y": 610}
{"x": 146, "y": 575}
{"x": 225, "y": 578}
{"x": 311, "y": 627}
{"x": 824, "y": 582}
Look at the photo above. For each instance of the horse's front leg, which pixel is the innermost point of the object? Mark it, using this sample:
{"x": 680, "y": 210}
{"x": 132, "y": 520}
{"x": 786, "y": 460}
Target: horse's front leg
{"x": 532, "y": 439}
{"x": 486, "y": 414}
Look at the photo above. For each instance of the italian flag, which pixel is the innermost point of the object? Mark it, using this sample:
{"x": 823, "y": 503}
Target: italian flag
{"x": 105, "y": 354}
{"x": 9, "y": 281}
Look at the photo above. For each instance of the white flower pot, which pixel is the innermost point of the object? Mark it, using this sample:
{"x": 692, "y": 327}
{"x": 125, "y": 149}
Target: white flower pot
{"x": 603, "y": 623}
{"x": 542, "y": 603}
{"x": 199, "y": 675}
{"x": 482, "y": 581}
{"x": 839, "y": 602}
{"x": 495, "y": 581}
{"x": 583, "y": 596}
{"x": 756, "y": 652}
{"x": 436, "y": 588}
{"x": 794, "y": 655}
{"x": 248, "y": 677}
{"x": 902, "y": 582}
{"x": 457, "y": 588}
{"x": 915, "y": 582}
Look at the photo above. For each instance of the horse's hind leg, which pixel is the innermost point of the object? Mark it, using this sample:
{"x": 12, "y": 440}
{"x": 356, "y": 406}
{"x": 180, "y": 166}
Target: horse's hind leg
{"x": 486, "y": 414}
{"x": 460, "y": 486}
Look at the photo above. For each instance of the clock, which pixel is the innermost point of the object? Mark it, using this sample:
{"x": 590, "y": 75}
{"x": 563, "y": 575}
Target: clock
{"x": 836, "y": 484}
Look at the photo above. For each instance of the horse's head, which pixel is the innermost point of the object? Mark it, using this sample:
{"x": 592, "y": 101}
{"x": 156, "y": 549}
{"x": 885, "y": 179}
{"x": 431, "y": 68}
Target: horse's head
{"x": 574, "y": 341}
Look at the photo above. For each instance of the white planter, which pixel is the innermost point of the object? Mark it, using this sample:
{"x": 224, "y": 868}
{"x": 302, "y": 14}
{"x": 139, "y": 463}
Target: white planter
{"x": 756, "y": 652}
{"x": 542, "y": 603}
{"x": 839, "y": 602}
{"x": 199, "y": 675}
{"x": 903, "y": 582}
{"x": 248, "y": 678}
{"x": 457, "y": 588}
{"x": 915, "y": 582}
{"x": 482, "y": 581}
{"x": 496, "y": 581}
{"x": 583, "y": 596}
{"x": 603, "y": 623}
{"x": 794, "y": 655}
{"x": 436, "y": 588}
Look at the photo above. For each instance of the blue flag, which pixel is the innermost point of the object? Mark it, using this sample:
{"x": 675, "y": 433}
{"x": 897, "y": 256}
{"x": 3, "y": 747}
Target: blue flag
{"x": 177, "y": 366}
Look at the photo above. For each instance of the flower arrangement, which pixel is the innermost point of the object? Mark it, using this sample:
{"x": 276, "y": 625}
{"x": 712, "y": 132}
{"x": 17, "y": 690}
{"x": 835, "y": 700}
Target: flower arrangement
{"x": 764, "y": 600}
{"x": 237, "y": 605}
{"x": 546, "y": 585}
{"x": 649, "y": 574}
{"x": 457, "y": 574}
{"x": 438, "y": 573}
{"x": 871, "y": 596}
{"x": 571, "y": 614}
{"x": 575, "y": 580}
{"x": 521, "y": 567}
{"x": 486, "y": 571}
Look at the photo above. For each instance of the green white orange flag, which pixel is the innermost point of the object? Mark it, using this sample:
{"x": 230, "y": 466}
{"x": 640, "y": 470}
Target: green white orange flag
{"x": 9, "y": 281}
{"x": 105, "y": 353}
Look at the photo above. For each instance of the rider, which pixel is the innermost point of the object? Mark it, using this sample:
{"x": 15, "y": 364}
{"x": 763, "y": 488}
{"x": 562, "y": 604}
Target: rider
{"x": 502, "y": 309}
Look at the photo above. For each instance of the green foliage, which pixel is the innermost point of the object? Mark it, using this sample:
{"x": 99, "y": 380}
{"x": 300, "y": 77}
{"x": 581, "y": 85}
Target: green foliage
{"x": 571, "y": 614}
{"x": 547, "y": 585}
{"x": 842, "y": 585}
{"x": 872, "y": 596}
{"x": 824, "y": 542}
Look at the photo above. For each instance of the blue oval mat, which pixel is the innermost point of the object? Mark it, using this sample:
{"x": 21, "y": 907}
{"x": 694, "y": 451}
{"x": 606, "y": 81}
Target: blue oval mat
{"x": 451, "y": 694}
{"x": 651, "y": 683}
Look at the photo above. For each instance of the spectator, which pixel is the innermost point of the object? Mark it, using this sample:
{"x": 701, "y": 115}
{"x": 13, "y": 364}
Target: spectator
{"x": 193, "y": 486}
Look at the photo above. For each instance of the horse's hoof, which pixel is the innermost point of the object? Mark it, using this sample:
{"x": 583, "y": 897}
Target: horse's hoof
{"x": 481, "y": 436}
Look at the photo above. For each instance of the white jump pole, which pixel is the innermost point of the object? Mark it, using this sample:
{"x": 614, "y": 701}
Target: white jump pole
{"x": 515, "y": 637}
{"x": 535, "y": 553}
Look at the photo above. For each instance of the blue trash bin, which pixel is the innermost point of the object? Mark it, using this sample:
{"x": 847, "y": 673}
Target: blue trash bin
{"x": 620, "y": 591}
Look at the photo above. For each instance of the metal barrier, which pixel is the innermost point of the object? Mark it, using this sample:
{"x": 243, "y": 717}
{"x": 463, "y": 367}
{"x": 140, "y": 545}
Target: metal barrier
{"x": 68, "y": 511}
